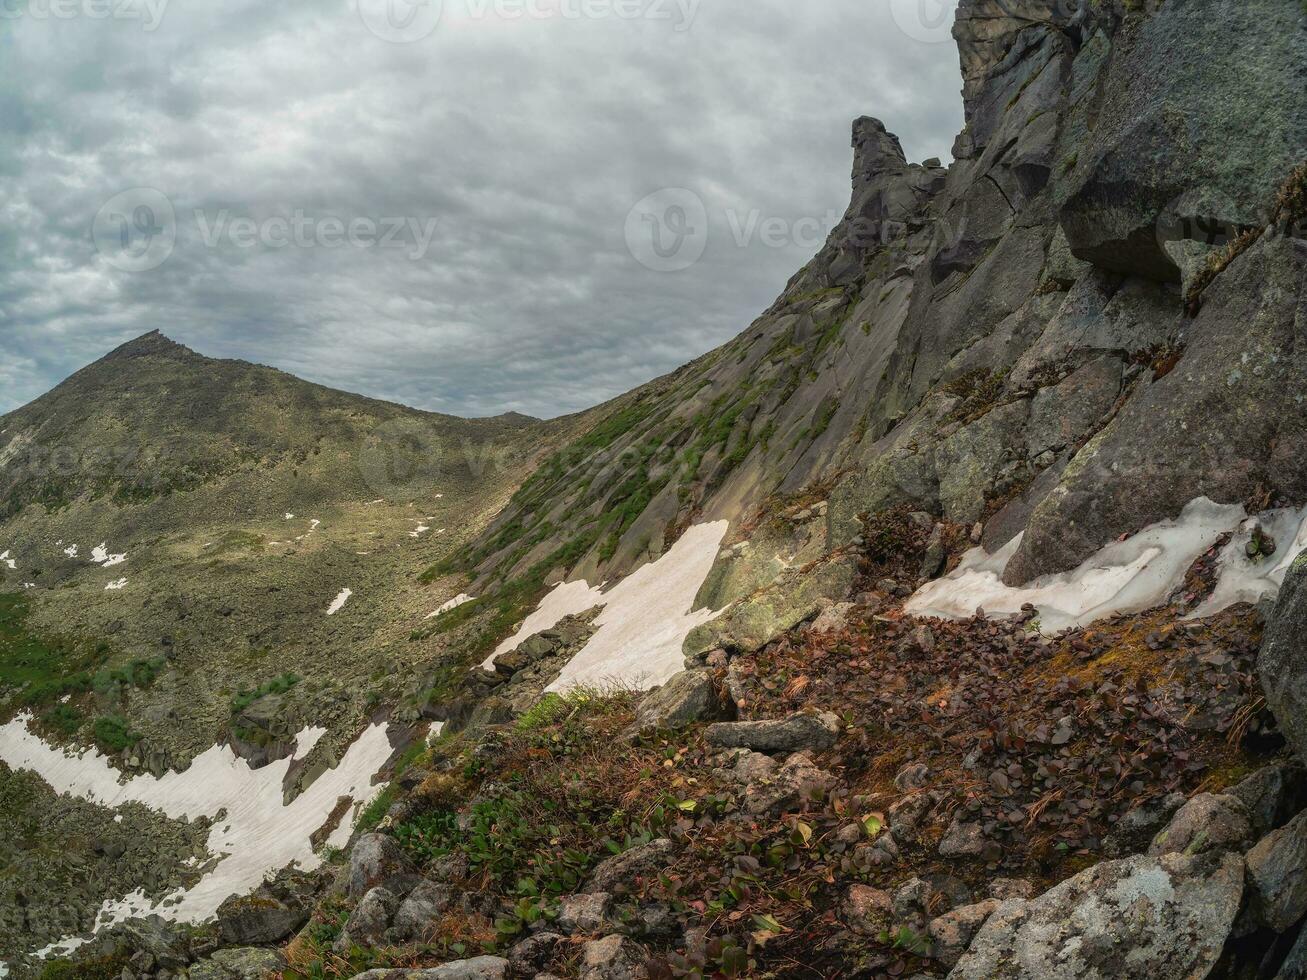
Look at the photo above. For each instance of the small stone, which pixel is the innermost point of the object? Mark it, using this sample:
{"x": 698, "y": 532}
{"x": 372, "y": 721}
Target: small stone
{"x": 584, "y": 913}
{"x": 913, "y": 777}
{"x": 534, "y": 952}
{"x": 963, "y": 840}
{"x": 867, "y": 911}
{"x": 1006, "y": 889}
{"x": 422, "y": 910}
{"x": 796, "y": 783}
{"x": 368, "y": 923}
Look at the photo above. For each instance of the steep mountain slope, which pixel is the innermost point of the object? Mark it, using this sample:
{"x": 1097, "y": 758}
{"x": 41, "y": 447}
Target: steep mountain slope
{"x": 1076, "y": 347}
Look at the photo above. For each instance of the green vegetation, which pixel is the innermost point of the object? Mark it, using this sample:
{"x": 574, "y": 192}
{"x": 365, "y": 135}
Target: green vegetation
{"x": 114, "y": 734}
{"x": 278, "y": 685}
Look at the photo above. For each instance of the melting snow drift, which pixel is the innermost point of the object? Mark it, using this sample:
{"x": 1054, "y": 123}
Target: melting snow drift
{"x": 257, "y": 834}
{"x": 645, "y": 619}
{"x": 338, "y": 603}
{"x": 453, "y": 603}
{"x": 1126, "y": 576}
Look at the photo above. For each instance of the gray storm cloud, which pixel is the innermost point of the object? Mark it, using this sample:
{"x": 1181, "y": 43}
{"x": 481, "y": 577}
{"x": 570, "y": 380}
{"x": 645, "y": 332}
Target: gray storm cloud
{"x": 508, "y": 145}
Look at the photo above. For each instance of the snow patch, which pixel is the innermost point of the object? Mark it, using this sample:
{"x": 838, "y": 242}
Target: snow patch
{"x": 338, "y": 603}
{"x": 259, "y": 835}
{"x": 1126, "y": 576}
{"x": 420, "y": 530}
{"x": 453, "y": 603}
{"x": 645, "y": 620}
{"x": 100, "y": 556}
{"x": 71, "y": 551}
{"x": 117, "y": 586}
{"x": 9, "y": 562}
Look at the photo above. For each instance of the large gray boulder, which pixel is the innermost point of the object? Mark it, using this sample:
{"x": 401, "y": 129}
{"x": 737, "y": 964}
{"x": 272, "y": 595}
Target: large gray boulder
{"x": 1202, "y": 148}
{"x": 621, "y": 871}
{"x": 1164, "y": 918}
{"x": 1282, "y": 664}
{"x": 1277, "y": 876}
{"x": 239, "y": 964}
{"x": 688, "y": 697}
{"x": 1224, "y": 424}
{"x": 477, "y": 968}
{"x": 793, "y": 734}
{"x": 376, "y": 860}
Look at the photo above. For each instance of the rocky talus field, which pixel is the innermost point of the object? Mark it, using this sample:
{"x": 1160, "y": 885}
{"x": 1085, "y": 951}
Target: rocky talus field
{"x": 951, "y": 621}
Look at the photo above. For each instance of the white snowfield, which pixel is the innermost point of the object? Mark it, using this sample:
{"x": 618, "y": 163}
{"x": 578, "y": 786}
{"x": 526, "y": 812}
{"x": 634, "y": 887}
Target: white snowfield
{"x": 338, "y": 603}
{"x": 453, "y": 603}
{"x": 6, "y": 560}
{"x": 100, "y": 556}
{"x": 116, "y": 586}
{"x": 644, "y": 622}
{"x": 256, "y": 835}
{"x": 1126, "y": 576}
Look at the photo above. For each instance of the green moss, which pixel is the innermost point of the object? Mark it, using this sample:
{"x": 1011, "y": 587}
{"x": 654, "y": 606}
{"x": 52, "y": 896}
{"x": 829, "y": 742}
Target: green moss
{"x": 278, "y": 685}
{"x": 114, "y": 734}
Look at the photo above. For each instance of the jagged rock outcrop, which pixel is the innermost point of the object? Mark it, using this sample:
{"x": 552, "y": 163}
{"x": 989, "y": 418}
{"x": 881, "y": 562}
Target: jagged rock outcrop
{"x": 1282, "y": 663}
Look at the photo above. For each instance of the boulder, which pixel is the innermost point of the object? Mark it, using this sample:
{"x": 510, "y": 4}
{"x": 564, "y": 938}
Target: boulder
{"x": 962, "y": 840}
{"x": 1277, "y": 876}
{"x": 478, "y": 968}
{"x": 620, "y": 872}
{"x": 1143, "y": 918}
{"x": 375, "y": 860}
{"x": 867, "y": 911}
{"x": 368, "y": 923}
{"x": 795, "y": 783}
{"x": 1208, "y": 822}
{"x": 613, "y": 958}
{"x": 1200, "y": 151}
{"x": 1282, "y": 664}
{"x": 271, "y": 914}
{"x": 793, "y": 734}
{"x": 688, "y": 697}
{"x": 423, "y": 908}
{"x": 239, "y": 964}
{"x": 533, "y": 952}
{"x": 951, "y": 934}
{"x": 584, "y": 913}
{"x": 1273, "y": 796}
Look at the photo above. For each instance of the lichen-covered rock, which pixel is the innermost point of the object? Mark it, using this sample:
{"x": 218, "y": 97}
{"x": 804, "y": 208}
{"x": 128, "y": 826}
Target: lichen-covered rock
{"x": 1203, "y": 147}
{"x": 754, "y": 622}
{"x": 1273, "y": 796}
{"x": 793, "y": 734}
{"x": 613, "y": 958}
{"x": 422, "y": 909}
{"x": 1208, "y": 822}
{"x": 1282, "y": 664}
{"x": 584, "y": 913}
{"x": 533, "y": 952}
{"x": 797, "y": 782}
{"x": 1277, "y": 875}
{"x": 688, "y": 697}
{"x": 477, "y": 968}
{"x": 1142, "y": 918}
{"x": 867, "y": 911}
{"x": 621, "y": 872}
{"x": 962, "y": 839}
{"x": 951, "y": 933}
{"x": 376, "y": 860}
{"x": 239, "y": 964}
{"x": 368, "y": 923}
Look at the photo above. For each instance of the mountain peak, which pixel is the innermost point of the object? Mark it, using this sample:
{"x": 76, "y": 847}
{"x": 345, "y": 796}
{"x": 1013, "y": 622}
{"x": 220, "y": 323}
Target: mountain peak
{"x": 152, "y": 344}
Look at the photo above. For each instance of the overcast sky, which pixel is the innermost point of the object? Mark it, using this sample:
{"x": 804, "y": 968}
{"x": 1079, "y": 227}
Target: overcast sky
{"x": 446, "y": 205}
